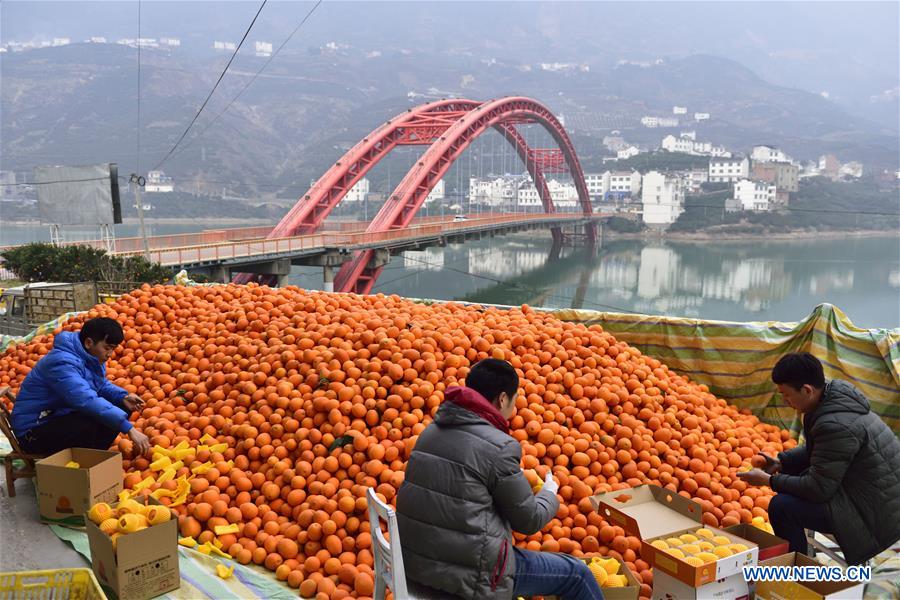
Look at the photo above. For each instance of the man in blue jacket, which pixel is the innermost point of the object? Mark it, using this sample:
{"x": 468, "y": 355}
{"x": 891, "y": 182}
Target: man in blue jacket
{"x": 66, "y": 401}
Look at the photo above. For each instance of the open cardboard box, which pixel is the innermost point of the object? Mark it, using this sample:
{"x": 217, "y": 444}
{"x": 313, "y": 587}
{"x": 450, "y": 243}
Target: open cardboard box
{"x": 805, "y": 590}
{"x": 143, "y": 565}
{"x": 65, "y": 493}
{"x": 733, "y": 587}
{"x": 651, "y": 512}
{"x": 769, "y": 545}
{"x": 629, "y": 592}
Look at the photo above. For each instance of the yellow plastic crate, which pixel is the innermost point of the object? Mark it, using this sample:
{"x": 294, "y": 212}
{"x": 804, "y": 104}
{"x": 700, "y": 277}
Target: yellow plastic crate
{"x": 53, "y": 584}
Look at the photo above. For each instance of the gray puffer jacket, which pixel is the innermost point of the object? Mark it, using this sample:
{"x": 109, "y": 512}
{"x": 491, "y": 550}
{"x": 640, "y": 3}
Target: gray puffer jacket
{"x": 463, "y": 494}
{"x": 851, "y": 463}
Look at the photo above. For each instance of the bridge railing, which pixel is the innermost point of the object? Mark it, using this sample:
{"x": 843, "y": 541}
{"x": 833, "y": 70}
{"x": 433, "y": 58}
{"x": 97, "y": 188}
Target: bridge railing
{"x": 217, "y": 252}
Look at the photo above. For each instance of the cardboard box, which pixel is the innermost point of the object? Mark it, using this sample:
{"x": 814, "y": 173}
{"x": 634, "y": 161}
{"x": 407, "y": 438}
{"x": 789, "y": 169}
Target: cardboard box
{"x": 652, "y": 512}
{"x": 732, "y": 587}
{"x": 770, "y": 545}
{"x": 65, "y": 494}
{"x": 629, "y": 592}
{"x": 805, "y": 590}
{"x": 143, "y": 565}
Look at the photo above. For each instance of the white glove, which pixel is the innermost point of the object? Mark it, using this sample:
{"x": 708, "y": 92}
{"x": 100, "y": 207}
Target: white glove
{"x": 550, "y": 483}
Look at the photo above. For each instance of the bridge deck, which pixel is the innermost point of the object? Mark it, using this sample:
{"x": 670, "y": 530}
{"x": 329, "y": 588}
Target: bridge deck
{"x": 259, "y": 250}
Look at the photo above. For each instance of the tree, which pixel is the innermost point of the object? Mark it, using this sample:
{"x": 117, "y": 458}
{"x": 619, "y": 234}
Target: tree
{"x": 72, "y": 264}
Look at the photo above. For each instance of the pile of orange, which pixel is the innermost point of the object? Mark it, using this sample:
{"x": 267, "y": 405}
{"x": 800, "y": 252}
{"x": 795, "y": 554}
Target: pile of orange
{"x": 318, "y": 397}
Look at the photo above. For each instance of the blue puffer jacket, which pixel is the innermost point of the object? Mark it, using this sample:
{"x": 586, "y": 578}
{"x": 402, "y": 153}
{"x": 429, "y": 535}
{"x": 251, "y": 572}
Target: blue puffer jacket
{"x": 68, "y": 380}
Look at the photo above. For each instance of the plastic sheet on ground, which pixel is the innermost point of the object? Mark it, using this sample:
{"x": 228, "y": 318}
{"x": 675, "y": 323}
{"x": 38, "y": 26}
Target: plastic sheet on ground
{"x": 198, "y": 574}
{"x": 735, "y": 360}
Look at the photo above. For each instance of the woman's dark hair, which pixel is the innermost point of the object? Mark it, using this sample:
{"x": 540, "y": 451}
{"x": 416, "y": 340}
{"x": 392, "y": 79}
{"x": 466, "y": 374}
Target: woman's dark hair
{"x": 799, "y": 369}
{"x": 490, "y": 377}
{"x": 102, "y": 329}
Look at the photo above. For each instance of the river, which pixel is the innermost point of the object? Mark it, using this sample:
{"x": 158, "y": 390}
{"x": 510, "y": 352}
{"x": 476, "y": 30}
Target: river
{"x": 729, "y": 280}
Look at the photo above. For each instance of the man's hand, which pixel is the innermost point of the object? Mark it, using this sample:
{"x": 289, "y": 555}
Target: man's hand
{"x": 6, "y": 391}
{"x": 755, "y": 477}
{"x": 550, "y": 483}
{"x": 141, "y": 442}
{"x": 133, "y": 402}
{"x": 772, "y": 466}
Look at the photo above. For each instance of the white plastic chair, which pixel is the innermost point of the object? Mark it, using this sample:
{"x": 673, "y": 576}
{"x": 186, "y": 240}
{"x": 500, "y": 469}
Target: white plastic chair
{"x": 388, "y": 558}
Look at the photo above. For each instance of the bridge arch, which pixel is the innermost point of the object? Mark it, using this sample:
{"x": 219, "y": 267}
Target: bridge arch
{"x": 360, "y": 273}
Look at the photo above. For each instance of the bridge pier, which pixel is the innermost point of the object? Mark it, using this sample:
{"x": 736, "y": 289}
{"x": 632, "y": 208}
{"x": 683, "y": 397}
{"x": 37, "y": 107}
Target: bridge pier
{"x": 280, "y": 269}
{"x": 380, "y": 258}
{"x": 328, "y": 262}
{"x": 220, "y": 273}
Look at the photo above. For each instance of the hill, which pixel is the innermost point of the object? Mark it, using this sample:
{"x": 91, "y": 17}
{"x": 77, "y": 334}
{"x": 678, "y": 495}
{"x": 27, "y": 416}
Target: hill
{"x": 77, "y": 104}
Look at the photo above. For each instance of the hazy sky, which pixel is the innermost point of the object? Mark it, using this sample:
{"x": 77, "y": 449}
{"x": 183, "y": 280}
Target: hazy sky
{"x": 848, "y": 50}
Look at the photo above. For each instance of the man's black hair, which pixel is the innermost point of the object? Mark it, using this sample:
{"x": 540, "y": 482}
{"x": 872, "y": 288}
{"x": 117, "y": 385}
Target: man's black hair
{"x": 799, "y": 369}
{"x": 102, "y": 329}
{"x": 491, "y": 376}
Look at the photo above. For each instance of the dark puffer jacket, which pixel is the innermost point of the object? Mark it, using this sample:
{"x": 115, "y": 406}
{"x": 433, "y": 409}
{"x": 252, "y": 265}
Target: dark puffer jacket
{"x": 851, "y": 463}
{"x": 463, "y": 494}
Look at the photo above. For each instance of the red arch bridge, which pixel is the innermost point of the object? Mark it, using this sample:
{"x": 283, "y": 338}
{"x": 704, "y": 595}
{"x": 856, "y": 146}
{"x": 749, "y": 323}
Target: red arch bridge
{"x": 447, "y": 127}
{"x": 358, "y": 254}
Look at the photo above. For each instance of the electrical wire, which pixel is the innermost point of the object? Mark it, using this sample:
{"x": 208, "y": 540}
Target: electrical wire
{"x": 138, "y": 133}
{"x": 255, "y": 75}
{"x": 213, "y": 90}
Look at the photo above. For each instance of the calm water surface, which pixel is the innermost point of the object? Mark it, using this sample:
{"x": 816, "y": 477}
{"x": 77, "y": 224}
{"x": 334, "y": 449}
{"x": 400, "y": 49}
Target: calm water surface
{"x": 739, "y": 281}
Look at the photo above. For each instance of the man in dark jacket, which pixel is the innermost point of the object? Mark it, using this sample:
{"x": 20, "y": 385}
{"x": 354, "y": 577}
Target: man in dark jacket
{"x": 845, "y": 480}
{"x": 66, "y": 400}
{"x": 464, "y": 493}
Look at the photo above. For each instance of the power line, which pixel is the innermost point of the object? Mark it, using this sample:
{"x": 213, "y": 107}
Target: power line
{"x": 218, "y": 81}
{"x": 49, "y": 182}
{"x": 138, "y": 136}
{"x": 255, "y": 75}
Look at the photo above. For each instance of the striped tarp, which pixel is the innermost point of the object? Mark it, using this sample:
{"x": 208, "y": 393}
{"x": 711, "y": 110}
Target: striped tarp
{"x": 735, "y": 360}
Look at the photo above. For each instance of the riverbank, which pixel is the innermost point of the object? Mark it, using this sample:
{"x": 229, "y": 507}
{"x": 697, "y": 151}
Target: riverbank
{"x": 798, "y": 234}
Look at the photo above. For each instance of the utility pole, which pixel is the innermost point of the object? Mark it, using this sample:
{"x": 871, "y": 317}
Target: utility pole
{"x": 139, "y": 182}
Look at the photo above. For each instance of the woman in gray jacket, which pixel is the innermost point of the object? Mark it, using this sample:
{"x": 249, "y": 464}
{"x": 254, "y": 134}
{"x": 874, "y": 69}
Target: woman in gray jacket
{"x": 464, "y": 494}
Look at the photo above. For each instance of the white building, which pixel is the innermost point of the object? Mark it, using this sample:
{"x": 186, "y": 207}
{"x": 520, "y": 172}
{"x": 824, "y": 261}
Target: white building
{"x": 358, "y": 192}
{"x": 223, "y": 45}
{"x": 263, "y": 49}
{"x": 662, "y": 198}
{"x": 695, "y": 178}
{"x": 688, "y": 144}
{"x": 700, "y": 116}
{"x": 62, "y": 41}
{"x": 728, "y": 169}
{"x": 653, "y": 122}
{"x": 7, "y": 183}
{"x": 495, "y": 191}
{"x": 624, "y": 183}
{"x": 436, "y": 193}
{"x": 679, "y": 110}
{"x": 564, "y": 195}
{"x": 768, "y": 154}
{"x": 97, "y": 40}
{"x": 755, "y": 195}
{"x": 627, "y": 152}
{"x": 158, "y": 182}
{"x": 851, "y": 169}
{"x": 670, "y": 143}
{"x": 597, "y": 185}
{"x": 170, "y": 42}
